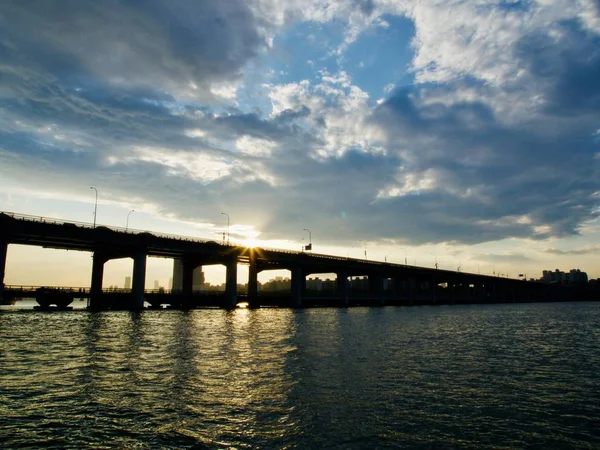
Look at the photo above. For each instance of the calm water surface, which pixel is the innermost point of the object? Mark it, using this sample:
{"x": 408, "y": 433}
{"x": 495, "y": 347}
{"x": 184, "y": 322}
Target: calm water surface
{"x": 500, "y": 376}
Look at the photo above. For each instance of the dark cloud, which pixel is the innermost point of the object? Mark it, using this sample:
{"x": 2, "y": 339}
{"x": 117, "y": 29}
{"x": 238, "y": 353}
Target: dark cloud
{"x": 494, "y": 179}
{"x": 566, "y": 67}
{"x": 175, "y": 46}
{"x": 507, "y": 258}
{"x": 579, "y": 251}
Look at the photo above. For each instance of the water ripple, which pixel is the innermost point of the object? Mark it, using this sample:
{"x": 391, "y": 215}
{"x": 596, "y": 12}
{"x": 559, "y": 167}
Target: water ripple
{"x": 500, "y": 376}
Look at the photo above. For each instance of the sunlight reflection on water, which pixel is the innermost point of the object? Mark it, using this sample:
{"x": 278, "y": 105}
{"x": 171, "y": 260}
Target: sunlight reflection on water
{"x": 464, "y": 376}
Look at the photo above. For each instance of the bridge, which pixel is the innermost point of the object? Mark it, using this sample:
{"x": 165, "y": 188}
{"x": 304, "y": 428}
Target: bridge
{"x": 386, "y": 283}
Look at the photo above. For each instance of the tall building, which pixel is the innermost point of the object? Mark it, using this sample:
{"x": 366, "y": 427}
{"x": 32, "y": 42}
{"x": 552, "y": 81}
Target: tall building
{"x": 574, "y": 276}
{"x": 198, "y": 279}
{"x": 127, "y": 283}
{"x": 156, "y": 285}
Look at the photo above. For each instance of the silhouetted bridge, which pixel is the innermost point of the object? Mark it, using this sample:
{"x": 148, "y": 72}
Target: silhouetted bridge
{"x": 387, "y": 283}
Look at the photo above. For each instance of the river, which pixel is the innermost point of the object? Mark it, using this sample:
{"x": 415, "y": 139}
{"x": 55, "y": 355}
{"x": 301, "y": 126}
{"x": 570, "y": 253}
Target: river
{"x": 470, "y": 376}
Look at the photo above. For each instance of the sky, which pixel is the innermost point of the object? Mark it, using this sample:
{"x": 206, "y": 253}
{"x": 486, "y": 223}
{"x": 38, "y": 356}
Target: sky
{"x": 463, "y": 132}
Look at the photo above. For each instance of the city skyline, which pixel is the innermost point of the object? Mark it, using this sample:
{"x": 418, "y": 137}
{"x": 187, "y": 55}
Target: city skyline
{"x": 447, "y": 134}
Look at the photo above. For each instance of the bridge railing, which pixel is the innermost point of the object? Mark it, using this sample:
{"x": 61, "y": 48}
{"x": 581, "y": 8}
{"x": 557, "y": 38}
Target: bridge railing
{"x": 23, "y": 288}
{"x": 108, "y": 290}
{"x": 87, "y": 225}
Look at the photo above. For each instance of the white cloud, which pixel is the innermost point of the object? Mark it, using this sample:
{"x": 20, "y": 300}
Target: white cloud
{"x": 196, "y": 166}
{"x": 254, "y": 146}
{"x": 340, "y": 112}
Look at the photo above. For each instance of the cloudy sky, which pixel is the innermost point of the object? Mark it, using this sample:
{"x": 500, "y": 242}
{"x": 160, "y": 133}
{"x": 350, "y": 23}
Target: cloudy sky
{"x": 463, "y": 131}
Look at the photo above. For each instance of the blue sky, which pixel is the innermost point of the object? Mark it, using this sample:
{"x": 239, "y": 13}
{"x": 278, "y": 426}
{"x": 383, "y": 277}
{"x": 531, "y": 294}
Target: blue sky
{"x": 458, "y": 131}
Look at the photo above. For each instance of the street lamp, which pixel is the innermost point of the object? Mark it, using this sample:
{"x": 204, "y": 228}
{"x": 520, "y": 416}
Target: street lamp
{"x": 365, "y": 244}
{"x": 405, "y": 261}
{"x": 385, "y": 258}
{"x": 127, "y": 223}
{"x": 225, "y": 214}
{"x": 436, "y": 263}
{"x": 309, "y": 246}
{"x": 95, "y": 204}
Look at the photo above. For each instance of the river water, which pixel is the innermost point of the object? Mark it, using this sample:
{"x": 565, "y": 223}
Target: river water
{"x": 479, "y": 376}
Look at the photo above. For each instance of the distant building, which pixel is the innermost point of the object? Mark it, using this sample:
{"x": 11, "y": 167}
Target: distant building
{"x": 574, "y": 276}
{"x": 156, "y": 285}
{"x": 198, "y": 279}
{"x": 127, "y": 283}
{"x": 277, "y": 284}
{"x": 359, "y": 283}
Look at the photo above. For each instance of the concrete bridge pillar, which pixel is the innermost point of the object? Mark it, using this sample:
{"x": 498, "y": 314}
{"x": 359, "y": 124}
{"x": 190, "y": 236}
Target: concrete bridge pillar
{"x": 298, "y": 281}
{"x": 493, "y": 293}
{"x": 411, "y": 290}
{"x": 432, "y": 290}
{"x": 398, "y": 287}
{"x": 3, "y": 252}
{"x": 230, "y": 300}
{"x": 177, "y": 280}
{"x": 138, "y": 282}
{"x": 97, "y": 277}
{"x": 480, "y": 293}
{"x": 343, "y": 288}
{"x": 466, "y": 292}
{"x": 453, "y": 291}
{"x": 376, "y": 288}
{"x": 253, "y": 301}
{"x": 185, "y": 281}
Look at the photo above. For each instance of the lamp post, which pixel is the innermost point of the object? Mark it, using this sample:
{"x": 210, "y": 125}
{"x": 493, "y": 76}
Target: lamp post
{"x": 309, "y": 246}
{"x": 95, "y": 204}
{"x": 436, "y": 263}
{"x": 225, "y": 214}
{"x": 365, "y": 244}
{"x": 127, "y": 222}
{"x": 385, "y": 258}
{"x": 405, "y": 261}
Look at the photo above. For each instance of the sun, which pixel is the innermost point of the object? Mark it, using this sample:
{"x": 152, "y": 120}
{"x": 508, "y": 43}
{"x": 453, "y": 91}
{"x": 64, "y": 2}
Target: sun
{"x": 250, "y": 242}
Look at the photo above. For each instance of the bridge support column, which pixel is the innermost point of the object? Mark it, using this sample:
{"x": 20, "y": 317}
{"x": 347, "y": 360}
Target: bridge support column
{"x": 480, "y": 293}
{"x": 186, "y": 283}
{"x": 253, "y": 282}
{"x": 96, "y": 286}
{"x": 410, "y": 284}
{"x": 177, "y": 280}
{"x": 399, "y": 288}
{"x": 230, "y": 299}
{"x": 432, "y": 286}
{"x": 493, "y": 293}
{"x": 456, "y": 293}
{"x": 467, "y": 292}
{"x": 298, "y": 281}
{"x": 138, "y": 283}
{"x": 376, "y": 288}
{"x": 3, "y": 252}
{"x": 343, "y": 288}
